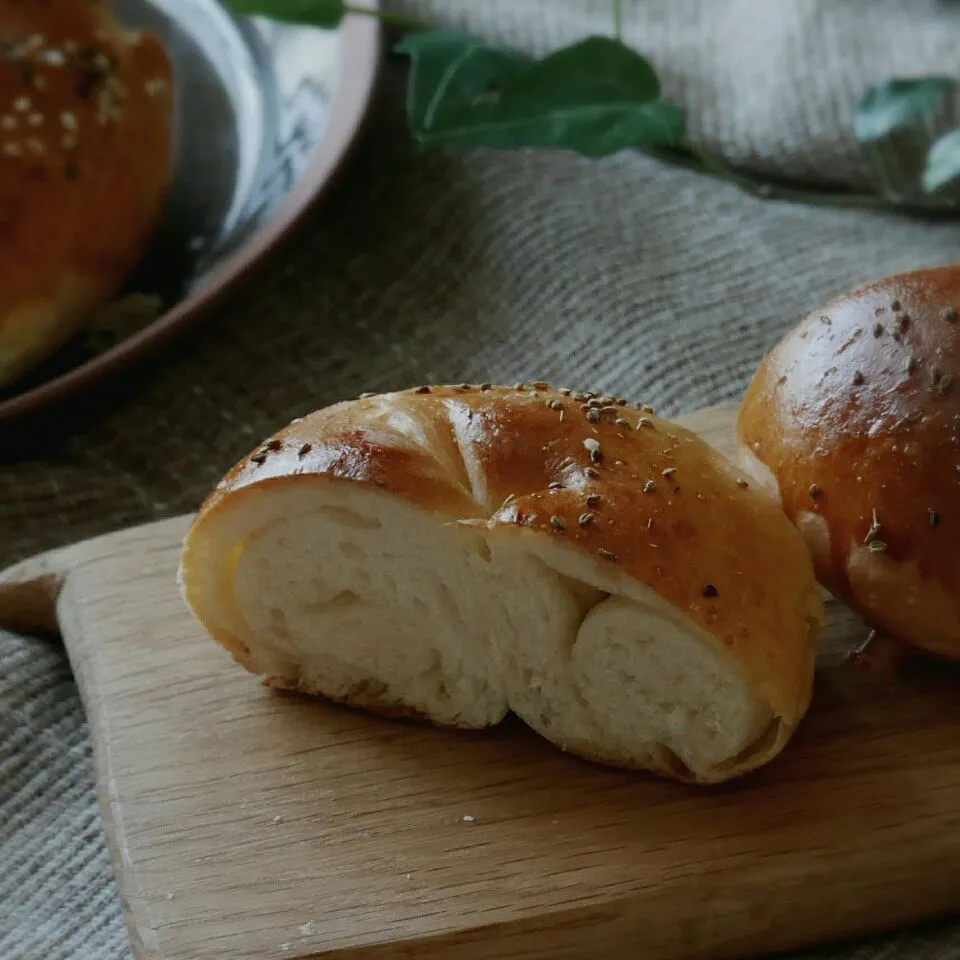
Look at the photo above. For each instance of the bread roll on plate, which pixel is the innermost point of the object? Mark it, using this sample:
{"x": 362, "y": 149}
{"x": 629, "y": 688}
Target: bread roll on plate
{"x": 85, "y": 161}
{"x": 853, "y": 419}
{"x": 454, "y": 553}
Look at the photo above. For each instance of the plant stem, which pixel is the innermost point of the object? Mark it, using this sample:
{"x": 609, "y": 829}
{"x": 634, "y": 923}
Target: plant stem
{"x": 399, "y": 20}
{"x": 618, "y": 18}
{"x": 692, "y": 157}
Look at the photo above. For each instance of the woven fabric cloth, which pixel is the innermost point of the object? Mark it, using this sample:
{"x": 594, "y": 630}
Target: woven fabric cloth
{"x": 621, "y": 275}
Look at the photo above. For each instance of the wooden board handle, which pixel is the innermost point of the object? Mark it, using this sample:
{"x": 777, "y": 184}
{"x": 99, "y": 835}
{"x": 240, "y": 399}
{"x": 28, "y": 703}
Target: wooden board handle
{"x": 29, "y": 590}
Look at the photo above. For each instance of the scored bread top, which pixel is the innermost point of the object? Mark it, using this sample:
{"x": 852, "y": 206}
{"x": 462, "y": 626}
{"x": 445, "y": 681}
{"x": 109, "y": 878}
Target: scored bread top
{"x": 644, "y": 497}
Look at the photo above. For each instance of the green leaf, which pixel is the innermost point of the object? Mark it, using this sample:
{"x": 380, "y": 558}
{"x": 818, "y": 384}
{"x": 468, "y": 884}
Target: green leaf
{"x": 943, "y": 162}
{"x": 315, "y": 13}
{"x": 896, "y": 102}
{"x": 595, "y": 97}
{"x": 452, "y": 71}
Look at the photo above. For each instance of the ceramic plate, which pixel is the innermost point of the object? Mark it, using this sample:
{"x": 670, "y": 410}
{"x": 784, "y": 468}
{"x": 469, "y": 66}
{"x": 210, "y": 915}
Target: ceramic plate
{"x": 265, "y": 114}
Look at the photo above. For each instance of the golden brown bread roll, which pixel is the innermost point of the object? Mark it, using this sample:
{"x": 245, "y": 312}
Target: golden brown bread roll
{"x": 854, "y": 419}
{"x": 85, "y": 161}
{"x": 457, "y": 552}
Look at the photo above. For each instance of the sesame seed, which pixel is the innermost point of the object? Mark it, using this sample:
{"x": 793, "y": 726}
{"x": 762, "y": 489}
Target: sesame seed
{"x": 541, "y": 385}
{"x": 649, "y": 487}
{"x": 878, "y": 329}
{"x": 620, "y": 422}
{"x": 259, "y": 459}
{"x": 895, "y": 305}
{"x": 21, "y": 104}
{"x": 556, "y": 485}
{"x": 875, "y": 528}
{"x": 668, "y": 471}
{"x": 53, "y": 58}
{"x": 857, "y": 378}
{"x": 35, "y": 146}
{"x": 606, "y": 554}
{"x": 742, "y": 483}
{"x": 650, "y": 523}
{"x": 933, "y": 518}
{"x": 593, "y": 415}
{"x": 557, "y": 523}
{"x": 903, "y": 321}
{"x": 593, "y": 499}
{"x": 566, "y": 391}
{"x": 486, "y": 386}
{"x": 155, "y": 86}
{"x": 519, "y": 386}
{"x": 69, "y": 120}
{"x": 463, "y": 386}
{"x": 304, "y": 450}
{"x": 815, "y": 491}
{"x": 554, "y": 404}
{"x": 710, "y": 591}
{"x": 273, "y": 445}
{"x": 584, "y": 519}
{"x": 35, "y": 119}
{"x": 644, "y": 422}
{"x": 592, "y": 473}
{"x": 593, "y": 448}
{"x": 366, "y": 396}
{"x": 594, "y": 403}
{"x": 422, "y": 390}
{"x": 877, "y": 546}
{"x": 561, "y": 414}
{"x": 467, "y": 818}
{"x": 826, "y": 320}
{"x": 510, "y": 497}
{"x": 12, "y": 149}
{"x": 949, "y": 314}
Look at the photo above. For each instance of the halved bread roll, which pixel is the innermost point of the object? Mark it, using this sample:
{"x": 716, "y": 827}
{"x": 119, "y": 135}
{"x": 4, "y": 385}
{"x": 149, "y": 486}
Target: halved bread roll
{"x": 454, "y": 553}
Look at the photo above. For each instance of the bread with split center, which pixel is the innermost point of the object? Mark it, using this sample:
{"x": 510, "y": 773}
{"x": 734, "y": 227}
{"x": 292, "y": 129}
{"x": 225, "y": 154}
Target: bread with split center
{"x": 455, "y": 553}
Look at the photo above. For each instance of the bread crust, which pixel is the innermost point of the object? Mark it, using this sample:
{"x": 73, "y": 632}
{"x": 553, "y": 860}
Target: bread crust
{"x": 85, "y": 163}
{"x": 646, "y": 499}
{"x": 855, "y": 414}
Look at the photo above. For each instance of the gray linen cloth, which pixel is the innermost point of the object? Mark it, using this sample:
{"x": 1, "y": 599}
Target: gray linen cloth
{"x": 621, "y": 274}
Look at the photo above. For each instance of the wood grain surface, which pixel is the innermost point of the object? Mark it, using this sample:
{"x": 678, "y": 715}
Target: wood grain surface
{"x": 245, "y": 823}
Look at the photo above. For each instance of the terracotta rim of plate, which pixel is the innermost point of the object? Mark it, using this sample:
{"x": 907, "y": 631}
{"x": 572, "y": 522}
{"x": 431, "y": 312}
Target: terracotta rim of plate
{"x": 359, "y": 59}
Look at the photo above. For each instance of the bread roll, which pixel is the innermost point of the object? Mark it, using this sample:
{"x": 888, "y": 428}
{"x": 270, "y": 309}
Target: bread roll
{"x": 854, "y": 420}
{"x": 453, "y": 553}
{"x": 85, "y": 160}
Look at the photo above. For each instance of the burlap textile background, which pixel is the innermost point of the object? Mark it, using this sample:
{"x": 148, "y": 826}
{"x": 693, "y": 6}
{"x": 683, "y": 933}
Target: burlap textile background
{"x": 623, "y": 274}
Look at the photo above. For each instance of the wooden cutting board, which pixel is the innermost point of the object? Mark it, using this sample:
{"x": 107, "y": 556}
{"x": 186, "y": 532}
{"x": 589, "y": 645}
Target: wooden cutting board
{"x": 246, "y": 824}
